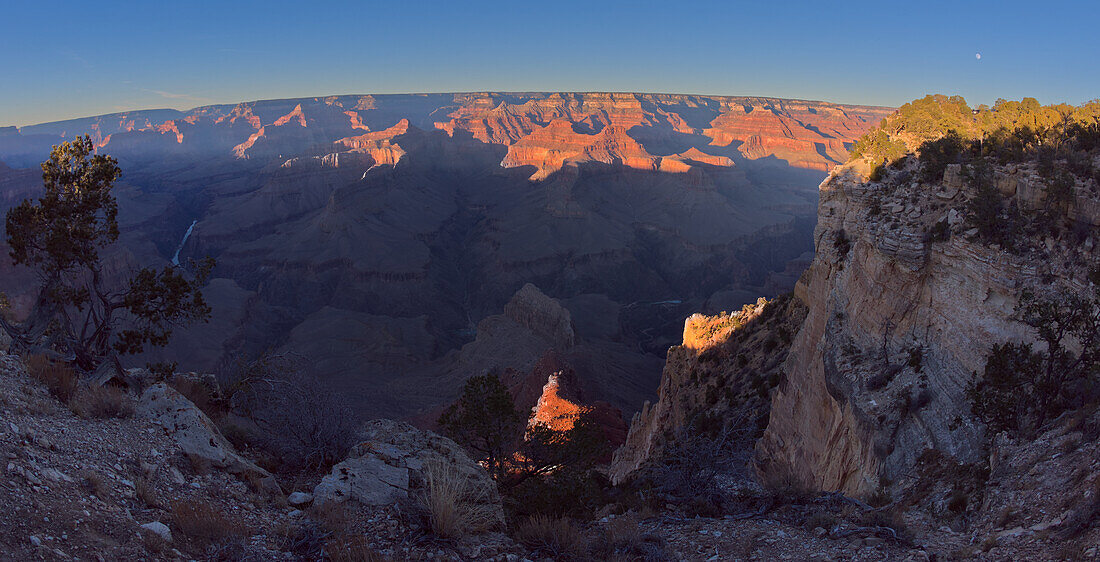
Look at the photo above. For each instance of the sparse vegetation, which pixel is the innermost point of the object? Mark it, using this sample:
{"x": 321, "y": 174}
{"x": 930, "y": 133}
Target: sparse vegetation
{"x": 146, "y": 492}
{"x": 454, "y": 505}
{"x": 1022, "y": 387}
{"x": 59, "y": 378}
{"x": 842, "y": 244}
{"x": 102, "y": 402}
{"x": 623, "y": 539}
{"x": 557, "y": 537}
{"x": 303, "y": 424}
{"x": 354, "y": 548}
{"x": 204, "y": 524}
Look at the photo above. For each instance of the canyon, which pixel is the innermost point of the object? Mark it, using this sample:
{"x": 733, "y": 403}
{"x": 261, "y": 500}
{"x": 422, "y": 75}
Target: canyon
{"x": 373, "y": 235}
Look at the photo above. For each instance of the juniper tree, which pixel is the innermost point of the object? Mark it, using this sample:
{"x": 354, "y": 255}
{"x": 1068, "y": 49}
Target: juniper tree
{"x": 81, "y": 311}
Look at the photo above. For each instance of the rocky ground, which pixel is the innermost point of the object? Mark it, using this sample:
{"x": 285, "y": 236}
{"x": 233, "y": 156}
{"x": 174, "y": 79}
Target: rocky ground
{"x": 84, "y": 488}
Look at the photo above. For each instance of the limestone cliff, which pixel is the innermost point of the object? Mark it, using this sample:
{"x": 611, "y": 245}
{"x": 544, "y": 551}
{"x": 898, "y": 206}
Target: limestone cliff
{"x": 725, "y": 370}
{"x": 904, "y": 305}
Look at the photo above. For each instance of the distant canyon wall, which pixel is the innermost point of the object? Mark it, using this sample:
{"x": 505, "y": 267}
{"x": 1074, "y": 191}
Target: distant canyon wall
{"x": 372, "y": 233}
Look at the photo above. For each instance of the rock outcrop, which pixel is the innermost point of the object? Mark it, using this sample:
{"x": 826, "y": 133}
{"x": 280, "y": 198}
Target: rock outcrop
{"x": 898, "y": 322}
{"x": 562, "y": 400}
{"x": 726, "y": 367}
{"x": 542, "y": 315}
{"x": 195, "y": 433}
{"x": 392, "y": 464}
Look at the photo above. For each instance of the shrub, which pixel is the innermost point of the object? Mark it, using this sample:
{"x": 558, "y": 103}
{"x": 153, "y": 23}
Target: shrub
{"x": 567, "y": 491}
{"x": 935, "y": 155}
{"x": 1060, "y": 190}
{"x": 622, "y": 539}
{"x": 455, "y": 506}
{"x": 1021, "y": 388}
{"x": 351, "y": 549}
{"x": 882, "y": 378}
{"x": 997, "y": 223}
{"x": 706, "y": 447}
{"x": 841, "y": 243}
{"x": 880, "y": 498}
{"x": 823, "y": 519}
{"x": 878, "y": 173}
{"x": 198, "y": 392}
{"x": 558, "y": 537}
{"x": 203, "y": 523}
{"x": 147, "y": 493}
{"x": 303, "y": 423}
{"x": 922, "y": 399}
{"x": 95, "y": 484}
{"x": 485, "y": 420}
{"x": 102, "y": 402}
{"x": 916, "y": 358}
{"x": 958, "y": 501}
{"x": 59, "y": 378}
{"x": 939, "y": 232}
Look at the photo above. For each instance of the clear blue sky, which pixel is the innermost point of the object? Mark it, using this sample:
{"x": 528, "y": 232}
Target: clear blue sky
{"x": 62, "y": 59}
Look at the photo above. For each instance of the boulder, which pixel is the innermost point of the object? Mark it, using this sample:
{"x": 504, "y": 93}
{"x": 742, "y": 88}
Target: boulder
{"x": 952, "y": 177}
{"x": 299, "y": 498}
{"x": 5, "y": 341}
{"x": 390, "y": 465}
{"x": 159, "y": 529}
{"x": 196, "y": 434}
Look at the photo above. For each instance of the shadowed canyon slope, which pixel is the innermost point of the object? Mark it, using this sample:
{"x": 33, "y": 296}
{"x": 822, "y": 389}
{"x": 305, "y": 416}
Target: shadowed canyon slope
{"x": 372, "y": 234}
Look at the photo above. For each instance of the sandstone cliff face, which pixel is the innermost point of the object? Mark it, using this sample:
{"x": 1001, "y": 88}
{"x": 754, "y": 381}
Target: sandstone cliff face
{"x": 726, "y": 368}
{"x": 856, "y": 409}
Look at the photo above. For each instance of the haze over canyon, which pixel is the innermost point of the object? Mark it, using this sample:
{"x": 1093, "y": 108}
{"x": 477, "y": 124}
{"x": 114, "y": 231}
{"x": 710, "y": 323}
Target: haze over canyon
{"x": 389, "y": 239}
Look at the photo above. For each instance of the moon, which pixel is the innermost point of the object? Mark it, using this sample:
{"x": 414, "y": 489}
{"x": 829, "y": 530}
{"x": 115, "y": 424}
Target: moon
{"x": 978, "y": 56}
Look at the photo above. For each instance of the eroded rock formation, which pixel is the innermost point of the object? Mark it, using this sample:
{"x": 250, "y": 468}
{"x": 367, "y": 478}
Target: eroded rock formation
{"x": 725, "y": 368}
{"x": 374, "y": 233}
{"x": 898, "y": 322}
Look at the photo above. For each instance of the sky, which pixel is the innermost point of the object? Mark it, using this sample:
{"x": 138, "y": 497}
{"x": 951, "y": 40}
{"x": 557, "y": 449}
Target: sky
{"x": 62, "y": 59}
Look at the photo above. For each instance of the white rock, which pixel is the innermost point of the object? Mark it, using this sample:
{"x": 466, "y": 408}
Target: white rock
{"x": 159, "y": 529}
{"x": 56, "y": 475}
{"x": 175, "y": 476}
{"x": 299, "y": 498}
{"x": 954, "y": 217}
{"x": 391, "y": 464}
{"x": 195, "y": 433}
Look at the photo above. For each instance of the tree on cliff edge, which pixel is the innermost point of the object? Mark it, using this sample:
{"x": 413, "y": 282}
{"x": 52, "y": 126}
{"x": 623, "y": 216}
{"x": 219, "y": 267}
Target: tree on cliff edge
{"x": 77, "y": 312}
{"x": 485, "y": 419}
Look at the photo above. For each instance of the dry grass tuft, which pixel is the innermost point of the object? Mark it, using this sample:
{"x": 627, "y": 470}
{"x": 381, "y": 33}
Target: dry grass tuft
{"x": 622, "y": 539}
{"x": 58, "y": 377}
{"x": 332, "y": 516}
{"x": 559, "y": 538}
{"x": 95, "y": 484}
{"x": 200, "y": 465}
{"x": 102, "y": 402}
{"x": 204, "y": 523}
{"x": 351, "y": 549}
{"x": 456, "y": 507}
{"x": 147, "y": 493}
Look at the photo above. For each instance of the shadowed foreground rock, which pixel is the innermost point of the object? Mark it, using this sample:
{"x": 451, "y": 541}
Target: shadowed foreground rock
{"x": 391, "y": 464}
{"x": 196, "y": 434}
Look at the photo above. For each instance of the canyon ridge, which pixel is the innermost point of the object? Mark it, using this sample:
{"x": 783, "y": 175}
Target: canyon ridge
{"x": 385, "y": 239}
